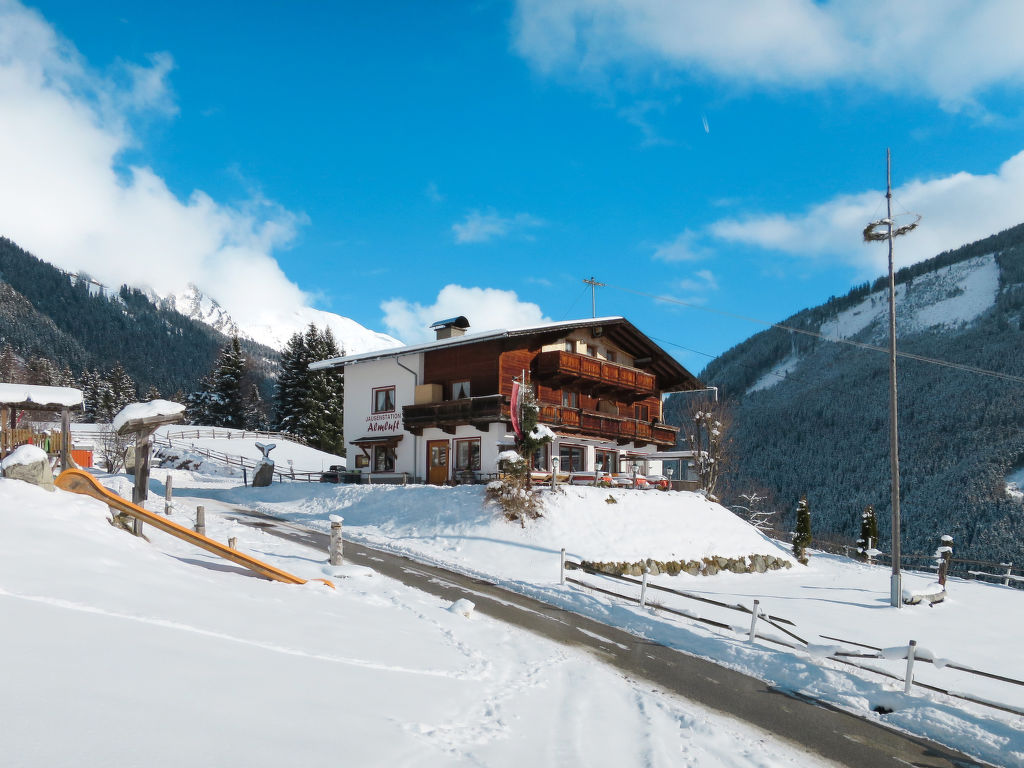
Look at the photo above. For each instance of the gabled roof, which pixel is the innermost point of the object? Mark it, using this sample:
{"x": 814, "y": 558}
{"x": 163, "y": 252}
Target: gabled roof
{"x": 671, "y": 374}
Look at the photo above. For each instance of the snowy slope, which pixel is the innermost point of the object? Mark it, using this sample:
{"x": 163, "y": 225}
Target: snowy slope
{"x": 119, "y": 652}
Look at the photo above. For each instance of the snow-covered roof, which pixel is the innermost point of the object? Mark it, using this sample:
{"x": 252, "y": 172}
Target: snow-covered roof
{"x": 154, "y": 409}
{"x": 456, "y": 341}
{"x": 30, "y": 395}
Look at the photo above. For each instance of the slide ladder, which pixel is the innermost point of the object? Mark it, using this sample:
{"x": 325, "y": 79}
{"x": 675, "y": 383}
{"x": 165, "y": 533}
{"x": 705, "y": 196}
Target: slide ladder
{"x": 78, "y": 481}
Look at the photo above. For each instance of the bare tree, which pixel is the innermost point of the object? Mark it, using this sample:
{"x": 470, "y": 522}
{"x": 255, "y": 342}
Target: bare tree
{"x": 114, "y": 449}
{"x": 708, "y": 437}
{"x": 753, "y": 509}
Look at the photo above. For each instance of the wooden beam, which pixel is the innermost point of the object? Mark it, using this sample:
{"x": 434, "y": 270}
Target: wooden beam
{"x": 65, "y": 438}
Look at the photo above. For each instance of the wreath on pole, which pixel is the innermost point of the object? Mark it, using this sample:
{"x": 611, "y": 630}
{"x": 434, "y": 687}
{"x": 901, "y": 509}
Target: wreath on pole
{"x": 877, "y": 231}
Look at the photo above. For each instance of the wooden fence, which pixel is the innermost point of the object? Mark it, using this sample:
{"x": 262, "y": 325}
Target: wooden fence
{"x": 755, "y": 614}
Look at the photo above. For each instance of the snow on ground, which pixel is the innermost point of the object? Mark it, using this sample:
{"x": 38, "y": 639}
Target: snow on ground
{"x": 777, "y": 373}
{"x": 116, "y": 651}
{"x": 1015, "y": 484}
{"x": 833, "y": 597}
{"x": 302, "y": 457}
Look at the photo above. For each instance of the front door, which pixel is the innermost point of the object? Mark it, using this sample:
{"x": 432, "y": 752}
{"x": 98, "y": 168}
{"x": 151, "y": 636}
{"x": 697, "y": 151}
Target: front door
{"x": 437, "y": 462}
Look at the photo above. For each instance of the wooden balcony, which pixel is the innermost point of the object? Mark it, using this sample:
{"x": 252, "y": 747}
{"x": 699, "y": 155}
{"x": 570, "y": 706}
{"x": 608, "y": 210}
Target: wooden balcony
{"x": 593, "y": 376}
{"x": 607, "y": 427}
{"x": 447, "y": 415}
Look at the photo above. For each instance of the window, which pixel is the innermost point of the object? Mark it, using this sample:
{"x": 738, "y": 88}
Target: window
{"x": 572, "y": 458}
{"x": 570, "y": 399}
{"x": 642, "y": 412}
{"x": 384, "y": 400}
{"x": 460, "y": 389}
{"x": 540, "y": 458}
{"x": 609, "y": 355}
{"x": 569, "y": 346}
{"x": 383, "y": 458}
{"x": 591, "y": 350}
{"x": 467, "y": 455}
{"x": 604, "y": 461}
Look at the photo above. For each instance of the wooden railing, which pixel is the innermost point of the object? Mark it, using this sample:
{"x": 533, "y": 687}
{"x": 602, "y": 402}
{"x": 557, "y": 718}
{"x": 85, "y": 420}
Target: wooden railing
{"x": 561, "y": 367}
{"x": 452, "y": 413}
{"x": 606, "y": 426}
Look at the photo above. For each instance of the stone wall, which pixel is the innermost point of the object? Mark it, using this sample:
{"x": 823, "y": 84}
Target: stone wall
{"x": 707, "y": 566}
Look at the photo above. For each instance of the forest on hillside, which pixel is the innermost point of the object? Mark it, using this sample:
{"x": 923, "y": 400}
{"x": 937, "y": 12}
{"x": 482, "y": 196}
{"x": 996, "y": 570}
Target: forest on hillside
{"x": 823, "y": 430}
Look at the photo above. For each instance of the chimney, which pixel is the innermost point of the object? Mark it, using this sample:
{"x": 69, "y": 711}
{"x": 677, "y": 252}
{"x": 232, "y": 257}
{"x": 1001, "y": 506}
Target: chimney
{"x": 450, "y": 328}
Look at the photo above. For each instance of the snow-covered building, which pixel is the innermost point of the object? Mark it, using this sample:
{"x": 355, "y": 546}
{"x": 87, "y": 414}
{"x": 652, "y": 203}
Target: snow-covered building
{"x": 440, "y": 412}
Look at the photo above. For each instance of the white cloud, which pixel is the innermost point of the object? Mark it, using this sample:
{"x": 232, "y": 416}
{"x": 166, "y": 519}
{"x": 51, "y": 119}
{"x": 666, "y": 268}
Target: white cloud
{"x": 479, "y": 227}
{"x": 685, "y": 247}
{"x": 433, "y": 194}
{"x": 67, "y": 197}
{"x": 485, "y": 308}
{"x": 952, "y": 50}
{"x": 956, "y": 209}
{"x": 703, "y": 280}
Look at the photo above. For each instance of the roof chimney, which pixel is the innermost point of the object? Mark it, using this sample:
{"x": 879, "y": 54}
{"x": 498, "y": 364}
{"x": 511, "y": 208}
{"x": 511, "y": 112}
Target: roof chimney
{"x": 450, "y": 328}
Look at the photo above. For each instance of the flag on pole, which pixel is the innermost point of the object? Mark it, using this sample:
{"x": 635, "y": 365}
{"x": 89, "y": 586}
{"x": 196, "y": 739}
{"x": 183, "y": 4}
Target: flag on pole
{"x": 516, "y": 404}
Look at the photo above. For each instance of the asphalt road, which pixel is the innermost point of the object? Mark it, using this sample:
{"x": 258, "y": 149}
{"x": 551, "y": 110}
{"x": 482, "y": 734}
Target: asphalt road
{"x": 826, "y": 732}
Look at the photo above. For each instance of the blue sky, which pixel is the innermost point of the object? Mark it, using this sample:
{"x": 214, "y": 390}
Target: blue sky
{"x": 399, "y": 163}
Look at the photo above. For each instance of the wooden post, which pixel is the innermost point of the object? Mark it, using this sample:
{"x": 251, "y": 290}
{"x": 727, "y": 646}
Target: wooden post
{"x": 1009, "y": 572}
{"x": 336, "y": 540}
{"x": 245, "y": 477}
{"x": 201, "y": 520}
{"x": 643, "y": 586}
{"x": 561, "y": 573}
{"x": 946, "y": 555}
{"x": 4, "y": 437}
{"x": 65, "y": 438}
{"x": 909, "y": 680}
{"x": 753, "y": 621}
{"x": 167, "y": 494}
{"x": 233, "y": 542}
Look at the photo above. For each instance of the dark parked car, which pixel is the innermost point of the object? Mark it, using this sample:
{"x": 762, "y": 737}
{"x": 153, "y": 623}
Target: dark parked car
{"x": 332, "y": 474}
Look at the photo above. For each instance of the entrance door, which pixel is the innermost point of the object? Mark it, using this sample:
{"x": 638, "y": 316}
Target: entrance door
{"x": 437, "y": 462}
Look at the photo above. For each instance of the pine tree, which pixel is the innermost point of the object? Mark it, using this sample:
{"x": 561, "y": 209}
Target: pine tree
{"x": 152, "y": 394}
{"x": 254, "y": 411}
{"x": 868, "y": 532}
{"x": 227, "y": 407}
{"x": 10, "y": 365}
{"x": 93, "y": 387}
{"x": 121, "y": 392}
{"x": 310, "y": 403}
{"x": 802, "y": 538}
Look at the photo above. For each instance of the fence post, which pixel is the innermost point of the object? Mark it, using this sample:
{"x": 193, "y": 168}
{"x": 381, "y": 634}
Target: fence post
{"x": 946, "y": 555}
{"x": 233, "y": 542}
{"x": 245, "y": 477}
{"x": 1009, "y": 572}
{"x": 201, "y": 520}
{"x": 911, "y": 649}
{"x": 643, "y": 586}
{"x": 561, "y": 572}
{"x": 753, "y": 621}
{"x": 336, "y": 540}
{"x": 167, "y": 494}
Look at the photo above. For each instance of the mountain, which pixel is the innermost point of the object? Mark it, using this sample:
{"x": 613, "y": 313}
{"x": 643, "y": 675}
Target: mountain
{"x": 811, "y": 415}
{"x": 79, "y": 323}
{"x": 276, "y": 327}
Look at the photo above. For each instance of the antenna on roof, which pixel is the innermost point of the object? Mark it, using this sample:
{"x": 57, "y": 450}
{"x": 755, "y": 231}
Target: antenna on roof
{"x": 593, "y": 294}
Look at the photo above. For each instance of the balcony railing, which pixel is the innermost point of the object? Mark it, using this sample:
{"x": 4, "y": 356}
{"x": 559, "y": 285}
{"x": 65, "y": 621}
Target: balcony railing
{"x": 601, "y": 425}
{"x": 593, "y": 375}
{"x": 447, "y": 415}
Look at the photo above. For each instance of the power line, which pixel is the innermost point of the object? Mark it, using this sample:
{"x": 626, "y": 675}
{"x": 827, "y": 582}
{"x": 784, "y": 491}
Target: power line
{"x": 818, "y": 335}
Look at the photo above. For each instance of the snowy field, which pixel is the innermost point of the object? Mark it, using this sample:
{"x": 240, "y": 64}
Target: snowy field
{"x": 120, "y": 652}
{"x": 243, "y": 650}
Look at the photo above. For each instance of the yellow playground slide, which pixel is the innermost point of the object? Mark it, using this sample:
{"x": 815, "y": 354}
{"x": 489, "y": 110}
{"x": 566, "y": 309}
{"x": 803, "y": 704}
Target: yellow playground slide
{"x": 78, "y": 481}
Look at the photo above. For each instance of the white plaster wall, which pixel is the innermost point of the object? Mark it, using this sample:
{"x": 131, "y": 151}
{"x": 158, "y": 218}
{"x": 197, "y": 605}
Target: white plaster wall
{"x": 360, "y": 381}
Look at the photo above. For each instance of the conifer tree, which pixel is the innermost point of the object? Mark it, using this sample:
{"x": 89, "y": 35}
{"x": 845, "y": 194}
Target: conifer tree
{"x": 152, "y": 394}
{"x": 309, "y": 403}
{"x": 10, "y": 365}
{"x": 121, "y": 391}
{"x": 802, "y": 538}
{"x": 868, "y": 532}
{"x": 227, "y": 406}
{"x": 93, "y": 387}
{"x": 254, "y": 411}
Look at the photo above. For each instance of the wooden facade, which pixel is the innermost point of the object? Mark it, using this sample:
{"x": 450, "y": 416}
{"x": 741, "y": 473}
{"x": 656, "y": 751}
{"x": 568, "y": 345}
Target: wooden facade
{"x": 579, "y": 394}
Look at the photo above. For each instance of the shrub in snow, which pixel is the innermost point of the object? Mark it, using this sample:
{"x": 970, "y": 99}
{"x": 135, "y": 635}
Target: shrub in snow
{"x": 868, "y": 538}
{"x": 513, "y": 491}
{"x": 802, "y": 537}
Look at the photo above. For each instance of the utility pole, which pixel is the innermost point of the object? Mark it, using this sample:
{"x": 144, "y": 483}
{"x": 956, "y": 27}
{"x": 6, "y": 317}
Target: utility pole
{"x": 874, "y": 232}
{"x": 895, "y": 587}
{"x": 593, "y": 294}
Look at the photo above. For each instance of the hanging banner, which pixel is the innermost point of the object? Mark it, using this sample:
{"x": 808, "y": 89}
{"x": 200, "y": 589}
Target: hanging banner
{"x": 517, "y": 427}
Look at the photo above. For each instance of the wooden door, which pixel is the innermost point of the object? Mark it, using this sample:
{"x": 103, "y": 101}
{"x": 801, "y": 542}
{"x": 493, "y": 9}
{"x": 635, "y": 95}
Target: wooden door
{"x": 437, "y": 462}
